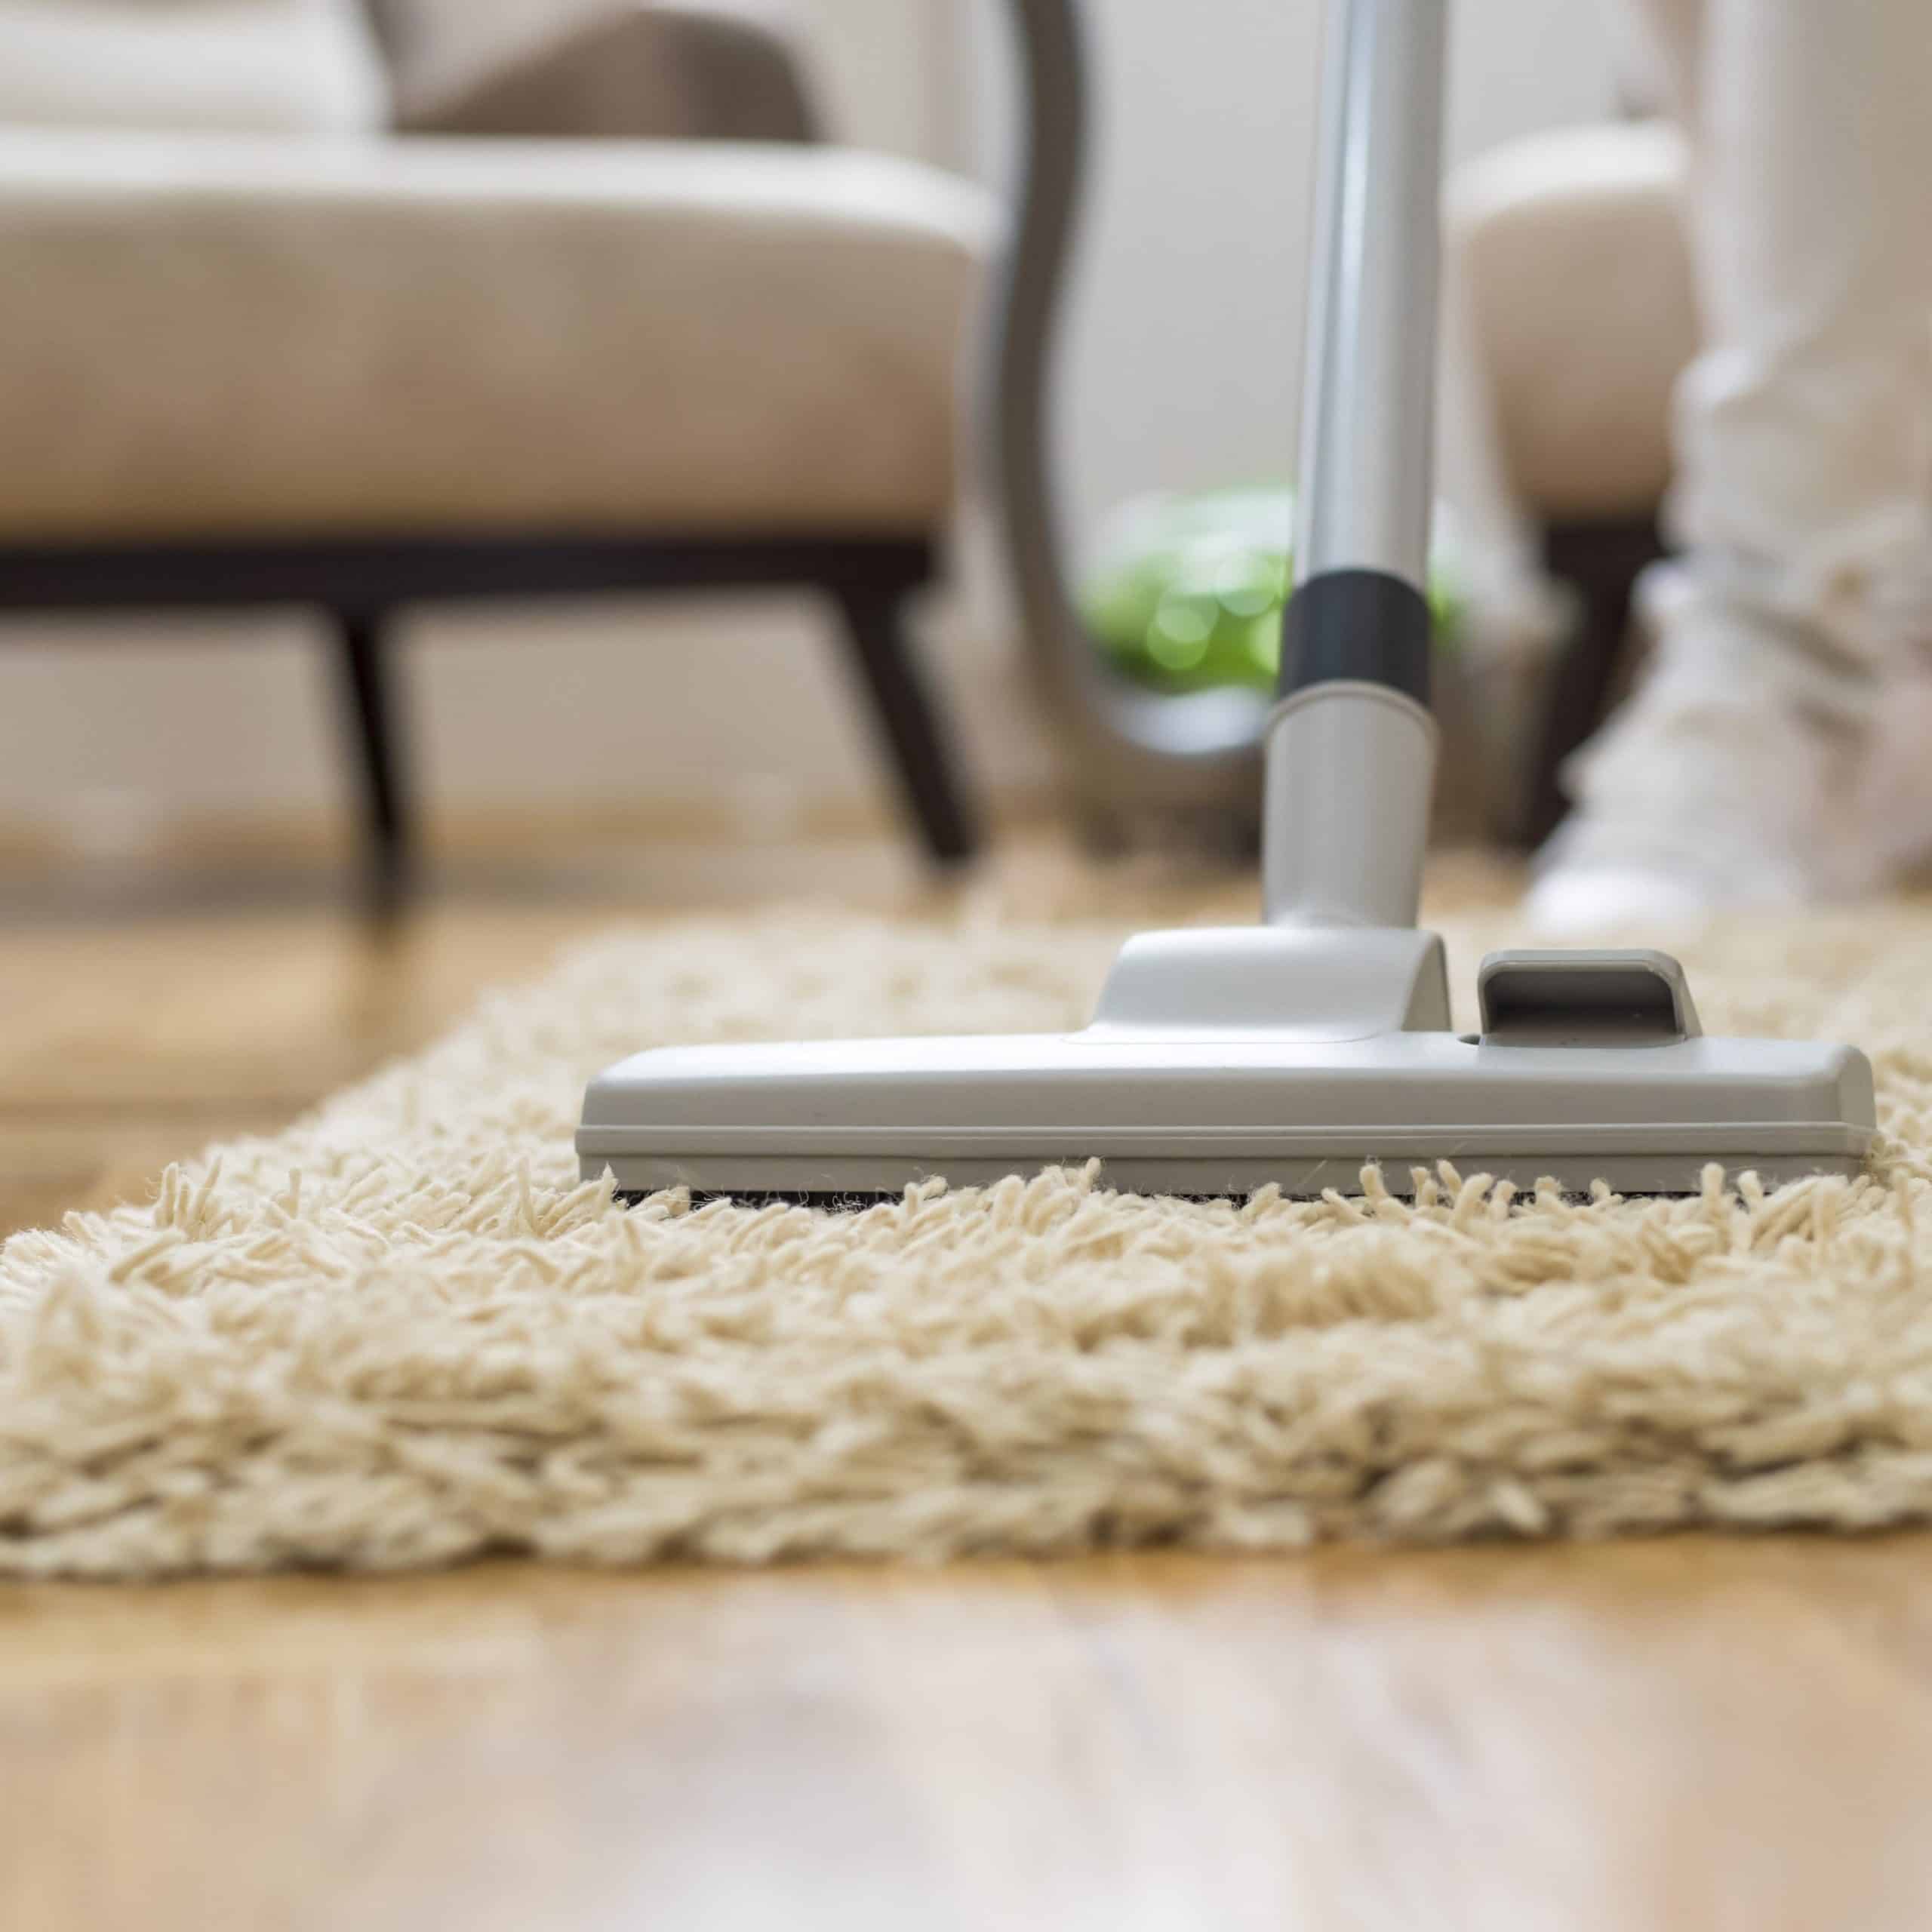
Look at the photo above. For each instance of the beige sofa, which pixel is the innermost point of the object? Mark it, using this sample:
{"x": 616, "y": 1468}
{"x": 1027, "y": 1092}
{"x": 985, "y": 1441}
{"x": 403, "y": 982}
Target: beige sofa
{"x": 257, "y": 347}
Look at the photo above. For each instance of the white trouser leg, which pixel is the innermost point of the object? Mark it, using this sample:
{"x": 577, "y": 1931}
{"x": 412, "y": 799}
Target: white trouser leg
{"x": 1804, "y": 428}
{"x": 1796, "y": 629}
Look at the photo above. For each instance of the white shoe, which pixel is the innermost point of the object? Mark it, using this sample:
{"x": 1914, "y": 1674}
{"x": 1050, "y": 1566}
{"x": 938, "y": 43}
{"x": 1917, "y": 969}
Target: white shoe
{"x": 1578, "y": 900}
{"x": 1722, "y": 786}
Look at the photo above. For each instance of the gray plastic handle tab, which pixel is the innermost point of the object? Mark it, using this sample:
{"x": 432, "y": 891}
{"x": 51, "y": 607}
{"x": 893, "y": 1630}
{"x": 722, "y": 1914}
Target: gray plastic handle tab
{"x": 1594, "y": 998}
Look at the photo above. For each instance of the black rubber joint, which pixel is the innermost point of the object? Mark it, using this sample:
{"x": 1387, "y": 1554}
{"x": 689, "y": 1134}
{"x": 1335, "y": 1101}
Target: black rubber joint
{"x": 1363, "y": 626}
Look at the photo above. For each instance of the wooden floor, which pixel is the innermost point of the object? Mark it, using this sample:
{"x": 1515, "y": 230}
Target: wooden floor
{"x": 1686, "y": 1733}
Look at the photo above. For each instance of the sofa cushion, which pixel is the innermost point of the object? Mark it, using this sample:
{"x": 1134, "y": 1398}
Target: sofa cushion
{"x": 213, "y": 337}
{"x": 1572, "y": 249}
{"x": 289, "y": 65}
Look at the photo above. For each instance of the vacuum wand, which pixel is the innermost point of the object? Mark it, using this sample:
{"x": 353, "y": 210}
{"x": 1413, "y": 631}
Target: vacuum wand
{"x": 1350, "y": 745}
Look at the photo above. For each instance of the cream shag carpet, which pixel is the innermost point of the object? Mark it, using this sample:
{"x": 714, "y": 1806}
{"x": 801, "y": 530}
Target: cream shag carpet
{"x": 401, "y": 1333}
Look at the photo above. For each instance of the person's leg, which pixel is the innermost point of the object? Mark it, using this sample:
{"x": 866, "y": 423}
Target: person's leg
{"x": 1803, "y": 502}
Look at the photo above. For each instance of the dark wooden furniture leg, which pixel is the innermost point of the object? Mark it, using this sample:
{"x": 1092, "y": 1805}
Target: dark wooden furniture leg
{"x": 361, "y": 581}
{"x": 1601, "y": 562}
{"x": 908, "y": 724}
{"x": 372, "y": 713}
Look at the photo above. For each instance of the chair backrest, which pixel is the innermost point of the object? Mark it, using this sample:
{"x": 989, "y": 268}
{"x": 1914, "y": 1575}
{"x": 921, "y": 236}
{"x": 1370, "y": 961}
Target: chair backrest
{"x": 288, "y": 67}
{"x": 651, "y": 69}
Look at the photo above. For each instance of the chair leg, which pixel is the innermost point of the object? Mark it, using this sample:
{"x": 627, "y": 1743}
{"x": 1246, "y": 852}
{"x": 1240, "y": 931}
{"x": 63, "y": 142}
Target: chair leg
{"x": 1602, "y": 563}
{"x": 903, "y": 711}
{"x": 371, "y": 712}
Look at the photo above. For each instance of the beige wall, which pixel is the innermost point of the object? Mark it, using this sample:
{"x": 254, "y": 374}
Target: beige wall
{"x": 1179, "y": 369}
{"x": 1182, "y": 360}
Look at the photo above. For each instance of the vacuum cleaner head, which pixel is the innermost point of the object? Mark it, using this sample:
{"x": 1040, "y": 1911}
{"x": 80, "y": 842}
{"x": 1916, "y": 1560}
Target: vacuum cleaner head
{"x": 1220, "y": 1061}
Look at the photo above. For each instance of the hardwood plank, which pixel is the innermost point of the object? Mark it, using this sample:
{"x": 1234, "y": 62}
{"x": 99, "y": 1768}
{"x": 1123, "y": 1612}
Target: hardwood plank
{"x": 1679, "y": 1734}
{"x": 230, "y": 1008}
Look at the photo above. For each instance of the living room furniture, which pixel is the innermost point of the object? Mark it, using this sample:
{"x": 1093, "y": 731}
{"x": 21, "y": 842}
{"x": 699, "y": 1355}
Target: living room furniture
{"x": 359, "y": 369}
{"x": 1570, "y": 249}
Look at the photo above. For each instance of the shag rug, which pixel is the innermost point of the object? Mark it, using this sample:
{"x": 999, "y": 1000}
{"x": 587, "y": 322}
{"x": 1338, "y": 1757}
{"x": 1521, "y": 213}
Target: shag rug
{"x": 401, "y": 1333}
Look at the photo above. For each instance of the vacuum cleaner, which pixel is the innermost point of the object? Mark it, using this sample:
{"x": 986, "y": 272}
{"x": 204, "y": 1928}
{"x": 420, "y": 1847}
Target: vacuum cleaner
{"x": 1300, "y": 1051}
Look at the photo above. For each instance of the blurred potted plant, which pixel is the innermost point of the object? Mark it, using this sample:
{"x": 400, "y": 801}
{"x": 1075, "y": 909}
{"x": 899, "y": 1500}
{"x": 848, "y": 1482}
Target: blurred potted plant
{"x": 1185, "y": 591}
{"x": 1185, "y": 594}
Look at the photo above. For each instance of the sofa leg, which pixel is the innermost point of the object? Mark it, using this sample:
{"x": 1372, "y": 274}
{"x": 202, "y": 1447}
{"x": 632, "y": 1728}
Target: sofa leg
{"x": 903, "y": 711}
{"x": 371, "y": 714}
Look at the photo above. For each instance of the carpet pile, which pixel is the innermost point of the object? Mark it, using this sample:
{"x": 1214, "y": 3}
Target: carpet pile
{"x": 401, "y": 1333}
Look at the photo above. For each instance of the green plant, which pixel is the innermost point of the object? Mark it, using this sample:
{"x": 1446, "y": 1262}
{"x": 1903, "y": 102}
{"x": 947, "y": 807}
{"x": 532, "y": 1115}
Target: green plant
{"x": 1188, "y": 590}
